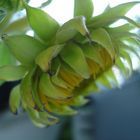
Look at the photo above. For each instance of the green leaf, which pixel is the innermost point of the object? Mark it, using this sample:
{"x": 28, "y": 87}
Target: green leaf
{"x": 111, "y": 15}
{"x": 83, "y": 8}
{"x": 12, "y": 73}
{"x": 69, "y": 29}
{"x": 102, "y": 37}
{"x": 24, "y": 48}
{"x": 42, "y": 24}
{"x": 45, "y": 57}
{"x": 74, "y": 57}
{"x": 15, "y": 98}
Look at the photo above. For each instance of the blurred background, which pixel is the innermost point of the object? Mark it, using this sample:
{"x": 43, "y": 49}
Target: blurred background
{"x": 111, "y": 115}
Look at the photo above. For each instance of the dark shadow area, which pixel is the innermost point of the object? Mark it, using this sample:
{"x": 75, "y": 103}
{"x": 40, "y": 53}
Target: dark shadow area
{"x": 118, "y": 112}
{"x": 4, "y": 95}
{"x": 112, "y": 115}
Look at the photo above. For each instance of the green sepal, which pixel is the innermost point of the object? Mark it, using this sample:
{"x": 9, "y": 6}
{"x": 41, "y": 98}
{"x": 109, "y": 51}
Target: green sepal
{"x": 102, "y": 37}
{"x": 41, "y": 23}
{"x": 111, "y": 15}
{"x": 103, "y": 81}
{"x": 41, "y": 119}
{"x": 26, "y": 91}
{"x": 24, "y": 48}
{"x": 58, "y": 81}
{"x": 74, "y": 57}
{"x": 69, "y": 29}
{"x": 123, "y": 28}
{"x": 45, "y": 57}
{"x": 89, "y": 88}
{"x": 126, "y": 54}
{"x": 92, "y": 52}
{"x": 123, "y": 35}
{"x": 112, "y": 77}
{"x": 6, "y": 58}
{"x": 12, "y": 73}
{"x": 121, "y": 65}
{"x": 78, "y": 101}
{"x": 131, "y": 48}
{"x": 35, "y": 89}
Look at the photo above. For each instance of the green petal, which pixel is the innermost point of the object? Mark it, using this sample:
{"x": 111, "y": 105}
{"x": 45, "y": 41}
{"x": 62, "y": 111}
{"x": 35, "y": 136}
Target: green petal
{"x": 15, "y": 98}
{"x": 35, "y": 93}
{"x": 74, "y": 57}
{"x": 49, "y": 90}
{"x": 58, "y": 81}
{"x": 92, "y": 52}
